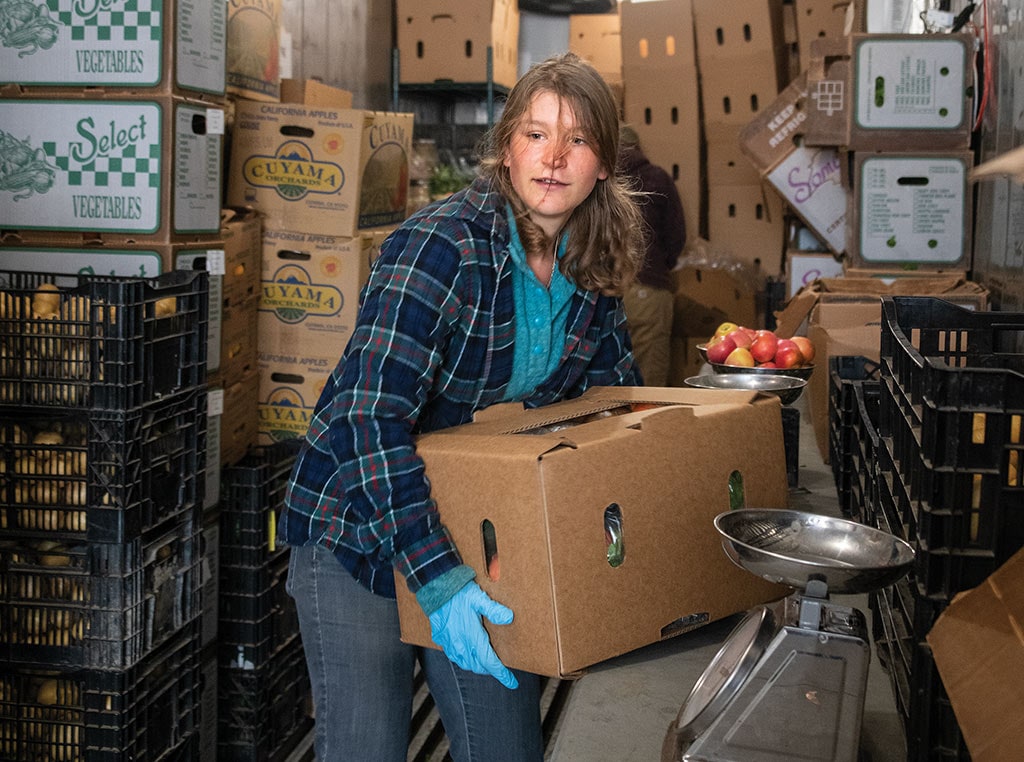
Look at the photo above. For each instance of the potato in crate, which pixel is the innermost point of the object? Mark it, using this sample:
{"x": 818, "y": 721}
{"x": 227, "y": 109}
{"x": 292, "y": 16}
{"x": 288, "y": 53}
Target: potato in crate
{"x": 950, "y": 411}
{"x": 112, "y": 343}
{"x": 95, "y": 605}
{"x": 76, "y": 475}
{"x": 147, "y": 712}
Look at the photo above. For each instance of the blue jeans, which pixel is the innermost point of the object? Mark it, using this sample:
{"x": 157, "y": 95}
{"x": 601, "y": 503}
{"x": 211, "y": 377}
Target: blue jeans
{"x": 362, "y": 678}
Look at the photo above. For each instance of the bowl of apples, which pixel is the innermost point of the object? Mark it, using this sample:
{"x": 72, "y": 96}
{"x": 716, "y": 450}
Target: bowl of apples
{"x": 738, "y": 349}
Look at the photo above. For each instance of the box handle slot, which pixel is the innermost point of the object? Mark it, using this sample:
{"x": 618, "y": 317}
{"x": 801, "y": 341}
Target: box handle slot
{"x": 613, "y": 535}
{"x": 296, "y": 131}
{"x": 490, "y": 542}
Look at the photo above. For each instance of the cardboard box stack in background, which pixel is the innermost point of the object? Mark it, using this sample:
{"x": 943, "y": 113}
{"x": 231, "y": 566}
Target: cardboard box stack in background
{"x": 441, "y": 41}
{"x": 742, "y": 57}
{"x": 659, "y": 70}
{"x": 575, "y": 594}
{"x": 327, "y": 179}
{"x": 253, "y": 55}
{"x": 597, "y": 37}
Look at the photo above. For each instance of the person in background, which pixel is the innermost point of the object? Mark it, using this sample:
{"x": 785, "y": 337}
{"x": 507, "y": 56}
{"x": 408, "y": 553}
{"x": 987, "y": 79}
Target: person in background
{"x": 507, "y": 291}
{"x": 649, "y": 300}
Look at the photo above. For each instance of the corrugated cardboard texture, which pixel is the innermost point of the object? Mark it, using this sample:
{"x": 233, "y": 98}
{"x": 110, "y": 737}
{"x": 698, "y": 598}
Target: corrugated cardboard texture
{"x": 978, "y": 646}
{"x": 667, "y": 468}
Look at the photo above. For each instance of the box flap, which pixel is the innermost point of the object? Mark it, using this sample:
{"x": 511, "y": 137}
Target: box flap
{"x": 978, "y": 646}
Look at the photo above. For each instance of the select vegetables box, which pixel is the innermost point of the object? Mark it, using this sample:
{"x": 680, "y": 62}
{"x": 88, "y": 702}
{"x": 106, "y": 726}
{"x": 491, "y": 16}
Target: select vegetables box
{"x": 592, "y": 519}
{"x": 121, "y": 168}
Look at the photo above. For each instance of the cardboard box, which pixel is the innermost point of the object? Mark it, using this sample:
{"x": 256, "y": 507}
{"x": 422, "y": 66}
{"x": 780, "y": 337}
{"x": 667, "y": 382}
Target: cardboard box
{"x": 891, "y": 92}
{"x": 706, "y": 297}
{"x": 842, "y": 316}
{"x": 808, "y": 178}
{"x": 289, "y": 387}
{"x": 818, "y": 18}
{"x": 684, "y": 361}
{"x": 135, "y": 168}
{"x": 726, "y": 32}
{"x": 544, "y": 479}
{"x": 656, "y": 35}
{"x": 727, "y": 164}
{"x": 234, "y": 281}
{"x": 323, "y": 170}
{"x": 169, "y": 48}
{"x": 313, "y": 93}
{"x": 237, "y": 419}
{"x": 910, "y": 208}
{"x": 444, "y": 41}
{"x": 978, "y": 646}
{"x": 597, "y": 37}
{"x": 253, "y": 60}
{"x": 310, "y": 291}
{"x": 802, "y": 269}
{"x": 747, "y": 221}
{"x": 668, "y": 123}
{"x": 143, "y": 262}
{"x": 736, "y": 92}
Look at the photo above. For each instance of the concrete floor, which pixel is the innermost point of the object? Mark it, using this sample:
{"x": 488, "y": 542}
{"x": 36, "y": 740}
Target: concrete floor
{"x": 620, "y": 710}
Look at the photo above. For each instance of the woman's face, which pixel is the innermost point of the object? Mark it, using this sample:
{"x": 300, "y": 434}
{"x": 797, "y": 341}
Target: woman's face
{"x": 552, "y": 166}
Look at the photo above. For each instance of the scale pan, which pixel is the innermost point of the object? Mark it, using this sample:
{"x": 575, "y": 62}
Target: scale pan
{"x": 794, "y": 547}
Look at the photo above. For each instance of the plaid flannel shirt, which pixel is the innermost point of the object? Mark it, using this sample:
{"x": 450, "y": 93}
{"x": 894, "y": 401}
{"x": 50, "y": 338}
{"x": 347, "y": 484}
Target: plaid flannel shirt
{"x": 433, "y": 344}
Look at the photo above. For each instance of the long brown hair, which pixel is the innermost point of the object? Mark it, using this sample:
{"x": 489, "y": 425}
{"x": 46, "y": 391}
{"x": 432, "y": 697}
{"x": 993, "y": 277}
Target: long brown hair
{"x": 605, "y": 247}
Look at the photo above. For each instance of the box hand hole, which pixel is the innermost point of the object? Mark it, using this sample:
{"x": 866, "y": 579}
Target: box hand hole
{"x": 613, "y": 535}
{"x": 737, "y": 499}
{"x": 490, "y": 541}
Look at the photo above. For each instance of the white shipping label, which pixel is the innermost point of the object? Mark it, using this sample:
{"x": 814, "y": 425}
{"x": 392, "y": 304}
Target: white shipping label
{"x": 912, "y": 210}
{"x": 81, "y": 165}
{"x": 902, "y": 84}
{"x": 116, "y": 43}
{"x": 197, "y": 172}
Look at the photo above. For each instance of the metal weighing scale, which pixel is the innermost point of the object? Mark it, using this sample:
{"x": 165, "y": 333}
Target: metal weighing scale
{"x": 789, "y": 681}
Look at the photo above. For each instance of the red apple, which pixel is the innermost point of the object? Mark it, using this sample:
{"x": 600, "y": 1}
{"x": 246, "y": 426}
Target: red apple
{"x": 805, "y": 346}
{"x": 768, "y": 364}
{"x": 788, "y": 354}
{"x": 719, "y": 348}
{"x": 764, "y": 346}
{"x": 741, "y": 338}
{"x": 740, "y": 356}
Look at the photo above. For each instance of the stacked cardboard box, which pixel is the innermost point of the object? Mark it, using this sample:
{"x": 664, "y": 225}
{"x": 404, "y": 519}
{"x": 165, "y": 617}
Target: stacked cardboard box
{"x": 659, "y": 70}
{"x": 898, "y": 108}
{"x": 597, "y": 37}
{"x": 327, "y": 179}
{"x": 742, "y": 57}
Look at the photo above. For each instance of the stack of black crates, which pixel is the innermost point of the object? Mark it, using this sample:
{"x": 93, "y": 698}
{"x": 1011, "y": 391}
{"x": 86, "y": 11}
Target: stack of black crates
{"x": 948, "y": 478}
{"x": 102, "y": 450}
{"x": 264, "y": 700}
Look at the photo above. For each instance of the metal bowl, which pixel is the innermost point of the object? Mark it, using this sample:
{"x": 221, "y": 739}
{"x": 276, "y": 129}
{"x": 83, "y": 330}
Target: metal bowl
{"x": 804, "y": 371}
{"x": 793, "y": 547}
{"x": 787, "y": 388}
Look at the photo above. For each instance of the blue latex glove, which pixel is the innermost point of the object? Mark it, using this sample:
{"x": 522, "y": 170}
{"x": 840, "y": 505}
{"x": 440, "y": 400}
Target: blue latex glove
{"x": 457, "y": 628}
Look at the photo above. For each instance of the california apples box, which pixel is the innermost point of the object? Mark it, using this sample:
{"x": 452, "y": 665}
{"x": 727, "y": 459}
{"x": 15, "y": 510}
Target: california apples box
{"x": 161, "y": 46}
{"x": 312, "y": 168}
{"x": 139, "y": 167}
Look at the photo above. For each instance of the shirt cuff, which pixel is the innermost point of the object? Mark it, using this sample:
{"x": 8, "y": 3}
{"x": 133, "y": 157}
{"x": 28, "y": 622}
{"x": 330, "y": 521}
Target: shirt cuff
{"x": 438, "y": 592}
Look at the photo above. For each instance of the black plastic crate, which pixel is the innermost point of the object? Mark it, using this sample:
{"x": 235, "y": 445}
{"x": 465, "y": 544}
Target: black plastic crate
{"x": 791, "y": 443}
{"x": 263, "y": 712}
{"x": 101, "y": 476}
{"x": 252, "y": 497}
{"x": 96, "y": 605}
{"x": 148, "y": 712}
{"x": 256, "y": 611}
{"x": 845, "y": 371}
{"x": 950, "y": 414}
{"x": 932, "y": 730}
{"x": 863, "y": 454}
{"x": 101, "y": 342}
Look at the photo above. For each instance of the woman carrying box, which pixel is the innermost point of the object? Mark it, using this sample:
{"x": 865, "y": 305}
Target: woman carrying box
{"x": 507, "y": 291}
